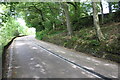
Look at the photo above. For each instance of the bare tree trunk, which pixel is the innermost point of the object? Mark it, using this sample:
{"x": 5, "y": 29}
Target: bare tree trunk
{"x": 96, "y": 22}
{"x": 110, "y": 8}
{"x": 54, "y": 25}
{"x": 119, "y": 5}
{"x": 67, "y": 18}
{"x": 102, "y": 14}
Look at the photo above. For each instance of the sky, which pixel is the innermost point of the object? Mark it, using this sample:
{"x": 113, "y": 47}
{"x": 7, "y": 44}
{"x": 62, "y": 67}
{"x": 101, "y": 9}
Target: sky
{"x": 21, "y": 21}
{"x": 105, "y": 7}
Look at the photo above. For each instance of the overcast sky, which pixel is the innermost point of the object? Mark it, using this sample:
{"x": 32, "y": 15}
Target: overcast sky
{"x": 105, "y": 7}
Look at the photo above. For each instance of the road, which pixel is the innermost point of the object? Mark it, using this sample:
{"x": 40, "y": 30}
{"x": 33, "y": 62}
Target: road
{"x": 31, "y": 58}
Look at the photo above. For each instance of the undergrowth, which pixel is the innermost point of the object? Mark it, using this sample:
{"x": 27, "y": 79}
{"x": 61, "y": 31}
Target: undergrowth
{"x": 85, "y": 40}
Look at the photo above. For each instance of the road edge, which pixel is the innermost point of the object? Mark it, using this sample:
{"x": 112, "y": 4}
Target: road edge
{"x": 4, "y": 56}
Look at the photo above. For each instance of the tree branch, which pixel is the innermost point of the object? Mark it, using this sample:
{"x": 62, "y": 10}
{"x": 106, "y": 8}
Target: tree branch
{"x": 39, "y": 11}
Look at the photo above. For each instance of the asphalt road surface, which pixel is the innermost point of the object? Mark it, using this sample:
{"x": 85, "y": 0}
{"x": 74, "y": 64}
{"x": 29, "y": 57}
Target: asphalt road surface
{"x": 31, "y": 58}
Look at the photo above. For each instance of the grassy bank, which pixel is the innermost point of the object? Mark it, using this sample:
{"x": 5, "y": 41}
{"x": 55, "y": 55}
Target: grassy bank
{"x": 85, "y": 40}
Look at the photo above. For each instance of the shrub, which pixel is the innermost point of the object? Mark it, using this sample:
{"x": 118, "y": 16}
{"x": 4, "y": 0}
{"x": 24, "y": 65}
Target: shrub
{"x": 41, "y": 34}
{"x": 94, "y": 43}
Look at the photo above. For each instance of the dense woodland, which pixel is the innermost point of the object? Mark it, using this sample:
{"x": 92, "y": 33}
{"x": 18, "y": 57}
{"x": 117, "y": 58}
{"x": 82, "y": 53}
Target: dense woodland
{"x": 76, "y": 25}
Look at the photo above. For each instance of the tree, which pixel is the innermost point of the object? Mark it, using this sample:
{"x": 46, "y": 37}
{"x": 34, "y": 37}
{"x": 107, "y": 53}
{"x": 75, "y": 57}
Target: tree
{"x": 96, "y": 22}
{"x": 110, "y": 7}
{"x": 119, "y": 5}
{"x": 47, "y": 15}
{"x": 65, "y": 7}
{"x": 102, "y": 14}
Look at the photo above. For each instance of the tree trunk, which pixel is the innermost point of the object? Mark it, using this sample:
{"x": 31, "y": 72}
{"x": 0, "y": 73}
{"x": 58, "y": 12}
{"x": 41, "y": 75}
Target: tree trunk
{"x": 54, "y": 25}
{"x": 110, "y": 8}
{"x": 96, "y": 22}
{"x": 119, "y": 5}
{"x": 53, "y": 22}
{"x": 102, "y": 14}
{"x": 67, "y": 19}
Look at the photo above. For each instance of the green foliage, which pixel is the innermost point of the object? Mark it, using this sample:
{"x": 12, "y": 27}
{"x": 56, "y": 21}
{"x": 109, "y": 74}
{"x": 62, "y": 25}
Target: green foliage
{"x": 113, "y": 47}
{"x": 16, "y": 33}
{"x": 50, "y": 23}
{"x": 50, "y": 15}
{"x": 74, "y": 38}
{"x": 46, "y": 15}
{"x": 8, "y": 30}
{"x": 85, "y": 40}
{"x": 94, "y": 43}
{"x": 41, "y": 34}
{"x": 9, "y": 27}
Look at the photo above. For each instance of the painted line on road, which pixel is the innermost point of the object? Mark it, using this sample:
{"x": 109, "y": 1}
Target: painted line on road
{"x": 78, "y": 65}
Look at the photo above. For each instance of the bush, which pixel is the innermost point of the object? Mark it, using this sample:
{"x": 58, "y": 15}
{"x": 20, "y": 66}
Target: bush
{"x": 113, "y": 47}
{"x": 16, "y": 33}
{"x": 94, "y": 43}
{"x": 41, "y": 34}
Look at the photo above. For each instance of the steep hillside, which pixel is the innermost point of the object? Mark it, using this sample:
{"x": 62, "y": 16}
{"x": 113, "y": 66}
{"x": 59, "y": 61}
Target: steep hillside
{"x": 85, "y": 40}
